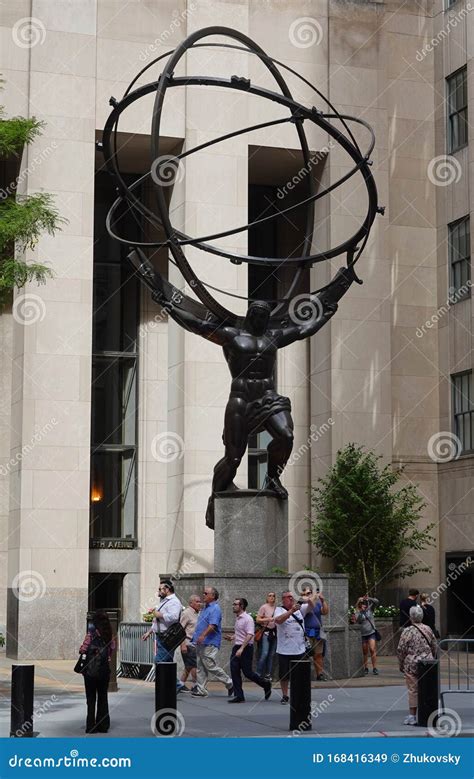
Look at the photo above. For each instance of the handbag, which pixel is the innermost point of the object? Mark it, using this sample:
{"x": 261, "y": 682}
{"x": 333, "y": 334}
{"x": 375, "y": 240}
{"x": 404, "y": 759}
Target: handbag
{"x": 173, "y": 636}
{"x": 378, "y": 637}
{"x": 80, "y": 665}
{"x": 259, "y": 633}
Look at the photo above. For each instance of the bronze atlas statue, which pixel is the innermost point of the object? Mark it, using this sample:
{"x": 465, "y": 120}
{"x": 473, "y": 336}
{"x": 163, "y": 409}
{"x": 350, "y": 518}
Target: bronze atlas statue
{"x": 250, "y": 344}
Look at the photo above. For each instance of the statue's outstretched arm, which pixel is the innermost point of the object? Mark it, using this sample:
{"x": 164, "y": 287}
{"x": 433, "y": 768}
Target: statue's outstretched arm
{"x": 194, "y": 324}
{"x": 323, "y": 307}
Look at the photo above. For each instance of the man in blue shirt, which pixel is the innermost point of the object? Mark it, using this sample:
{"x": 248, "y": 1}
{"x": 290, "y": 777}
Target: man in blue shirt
{"x": 313, "y": 626}
{"x": 207, "y": 639}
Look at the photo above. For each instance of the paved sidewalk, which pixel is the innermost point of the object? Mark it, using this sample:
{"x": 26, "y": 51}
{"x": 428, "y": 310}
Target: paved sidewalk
{"x": 374, "y": 706}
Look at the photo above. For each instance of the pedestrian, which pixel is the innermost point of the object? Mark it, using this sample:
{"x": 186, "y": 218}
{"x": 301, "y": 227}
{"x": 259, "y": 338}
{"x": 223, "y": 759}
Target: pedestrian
{"x": 207, "y": 639}
{"x": 289, "y": 620}
{"x": 268, "y": 641}
{"x": 242, "y": 653}
{"x": 313, "y": 624}
{"x": 429, "y": 614}
{"x": 406, "y": 605}
{"x": 98, "y": 646}
{"x": 365, "y": 618}
{"x": 188, "y": 620}
{"x": 417, "y": 642}
{"x": 167, "y": 613}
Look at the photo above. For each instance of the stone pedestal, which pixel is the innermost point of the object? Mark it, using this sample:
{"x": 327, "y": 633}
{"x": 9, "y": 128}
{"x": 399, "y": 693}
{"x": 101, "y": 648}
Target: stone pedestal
{"x": 251, "y": 533}
{"x": 251, "y": 554}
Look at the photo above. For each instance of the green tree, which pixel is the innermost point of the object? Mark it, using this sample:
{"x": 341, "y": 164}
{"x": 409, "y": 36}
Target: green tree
{"x": 22, "y": 218}
{"x": 365, "y": 523}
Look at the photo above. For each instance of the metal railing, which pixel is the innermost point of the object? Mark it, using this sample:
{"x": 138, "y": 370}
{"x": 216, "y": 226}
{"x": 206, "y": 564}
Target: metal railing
{"x": 136, "y": 657}
{"x": 458, "y": 678}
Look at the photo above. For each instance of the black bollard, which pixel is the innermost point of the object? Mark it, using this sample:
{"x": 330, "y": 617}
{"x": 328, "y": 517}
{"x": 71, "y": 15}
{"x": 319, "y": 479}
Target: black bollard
{"x": 428, "y": 681}
{"x": 300, "y": 695}
{"x": 23, "y": 683}
{"x": 165, "y": 723}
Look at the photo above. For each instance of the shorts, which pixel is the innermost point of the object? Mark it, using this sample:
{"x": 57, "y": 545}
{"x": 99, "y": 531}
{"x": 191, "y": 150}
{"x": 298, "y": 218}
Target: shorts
{"x": 318, "y": 646}
{"x": 189, "y": 658}
{"x": 284, "y": 664}
{"x": 366, "y": 639}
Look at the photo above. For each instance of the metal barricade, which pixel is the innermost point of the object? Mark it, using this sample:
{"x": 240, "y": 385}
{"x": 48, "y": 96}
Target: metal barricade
{"x": 457, "y": 651}
{"x": 136, "y": 657}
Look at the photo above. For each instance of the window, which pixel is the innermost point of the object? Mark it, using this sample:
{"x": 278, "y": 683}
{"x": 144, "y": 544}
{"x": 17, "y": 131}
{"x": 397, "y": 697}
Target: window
{"x": 459, "y": 248}
{"x": 114, "y": 378}
{"x": 463, "y": 410}
{"x": 449, "y": 3}
{"x": 457, "y": 110}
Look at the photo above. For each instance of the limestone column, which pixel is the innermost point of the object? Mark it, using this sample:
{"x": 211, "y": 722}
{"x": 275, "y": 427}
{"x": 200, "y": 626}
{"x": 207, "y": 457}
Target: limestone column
{"x": 48, "y": 546}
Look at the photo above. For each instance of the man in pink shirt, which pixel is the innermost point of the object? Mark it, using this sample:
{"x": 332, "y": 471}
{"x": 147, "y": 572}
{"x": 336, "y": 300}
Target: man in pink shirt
{"x": 242, "y": 653}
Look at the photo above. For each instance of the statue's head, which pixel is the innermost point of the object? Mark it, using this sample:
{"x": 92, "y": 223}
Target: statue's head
{"x": 258, "y": 316}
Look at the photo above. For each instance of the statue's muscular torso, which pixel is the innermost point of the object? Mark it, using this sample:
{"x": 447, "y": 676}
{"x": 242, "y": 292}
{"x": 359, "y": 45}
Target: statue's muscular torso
{"x": 251, "y": 360}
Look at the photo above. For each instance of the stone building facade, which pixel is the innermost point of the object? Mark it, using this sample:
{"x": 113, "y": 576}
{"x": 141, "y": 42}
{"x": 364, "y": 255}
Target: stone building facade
{"x": 110, "y": 415}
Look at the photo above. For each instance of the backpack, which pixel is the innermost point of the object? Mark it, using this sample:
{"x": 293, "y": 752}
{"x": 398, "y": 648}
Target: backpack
{"x": 97, "y": 660}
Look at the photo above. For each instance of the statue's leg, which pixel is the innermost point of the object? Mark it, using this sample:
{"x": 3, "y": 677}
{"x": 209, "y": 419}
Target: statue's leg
{"x": 280, "y": 427}
{"x": 235, "y": 438}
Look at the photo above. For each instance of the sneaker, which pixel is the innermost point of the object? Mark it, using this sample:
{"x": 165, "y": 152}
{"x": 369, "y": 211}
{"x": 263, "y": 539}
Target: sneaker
{"x": 375, "y": 672}
{"x": 285, "y": 699}
{"x": 410, "y": 720}
{"x": 268, "y": 690}
{"x": 230, "y": 692}
{"x": 268, "y": 677}
{"x": 366, "y": 671}
{"x": 321, "y": 678}
{"x": 184, "y": 689}
{"x": 197, "y": 693}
